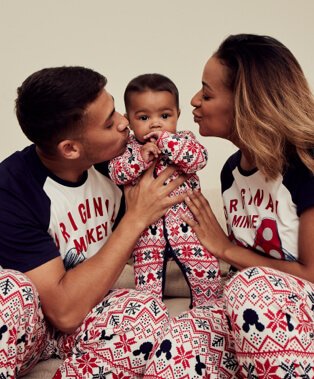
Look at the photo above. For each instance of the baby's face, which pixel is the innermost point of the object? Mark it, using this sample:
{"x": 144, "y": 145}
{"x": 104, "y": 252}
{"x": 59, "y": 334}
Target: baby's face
{"x": 151, "y": 111}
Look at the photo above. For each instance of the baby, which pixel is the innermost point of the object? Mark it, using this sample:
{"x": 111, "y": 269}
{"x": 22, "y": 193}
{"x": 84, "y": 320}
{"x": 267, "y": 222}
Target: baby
{"x": 152, "y": 108}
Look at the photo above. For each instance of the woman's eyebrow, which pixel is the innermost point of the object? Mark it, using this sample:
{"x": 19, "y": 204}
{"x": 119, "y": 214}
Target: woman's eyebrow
{"x": 206, "y": 85}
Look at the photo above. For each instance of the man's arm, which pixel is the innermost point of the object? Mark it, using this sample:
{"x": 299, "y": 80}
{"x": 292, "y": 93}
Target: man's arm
{"x": 68, "y": 296}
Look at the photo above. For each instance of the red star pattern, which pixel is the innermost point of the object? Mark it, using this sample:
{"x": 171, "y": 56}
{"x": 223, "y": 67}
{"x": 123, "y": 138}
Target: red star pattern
{"x": 278, "y": 320}
{"x": 125, "y": 343}
{"x": 266, "y": 370}
{"x": 87, "y": 363}
{"x": 183, "y": 357}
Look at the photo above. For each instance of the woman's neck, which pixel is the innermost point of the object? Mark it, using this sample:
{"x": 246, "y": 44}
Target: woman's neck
{"x": 247, "y": 162}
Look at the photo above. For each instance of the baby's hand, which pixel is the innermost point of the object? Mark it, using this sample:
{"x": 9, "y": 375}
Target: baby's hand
{"x": 153, "y": 136}
{"x": 149, "y": 151}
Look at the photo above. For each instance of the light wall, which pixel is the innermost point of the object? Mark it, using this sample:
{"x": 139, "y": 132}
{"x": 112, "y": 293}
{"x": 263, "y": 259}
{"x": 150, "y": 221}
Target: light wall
{"x": 124, "y": 38}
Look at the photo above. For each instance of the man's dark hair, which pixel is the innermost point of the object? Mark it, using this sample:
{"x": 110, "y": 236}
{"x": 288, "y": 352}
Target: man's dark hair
{"x": 51, "y": 103}
{"x": 150, "y": 82}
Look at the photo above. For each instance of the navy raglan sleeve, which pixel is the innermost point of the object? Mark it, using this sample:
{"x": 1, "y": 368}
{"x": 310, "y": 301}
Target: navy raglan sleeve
{"x": 24, "y": 212}
{"x": 300, "y": 182}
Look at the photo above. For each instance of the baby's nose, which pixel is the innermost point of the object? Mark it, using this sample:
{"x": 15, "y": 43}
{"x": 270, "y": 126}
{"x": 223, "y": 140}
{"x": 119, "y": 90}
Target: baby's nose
{"x": 155, "y": 123}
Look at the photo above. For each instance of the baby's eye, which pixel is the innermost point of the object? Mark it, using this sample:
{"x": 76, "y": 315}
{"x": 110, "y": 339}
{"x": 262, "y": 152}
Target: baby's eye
{"x": 165, "y": 116}
{"x": 143, "y": 118}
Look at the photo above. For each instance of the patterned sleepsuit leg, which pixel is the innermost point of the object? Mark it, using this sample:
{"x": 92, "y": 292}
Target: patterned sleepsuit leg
{"x": 171, "y": 238}
{"x": 149, "y": 260}
{"x": 114, "y": 341}
{"x": 272, "y": 318}
{"x": 199, "y": 266}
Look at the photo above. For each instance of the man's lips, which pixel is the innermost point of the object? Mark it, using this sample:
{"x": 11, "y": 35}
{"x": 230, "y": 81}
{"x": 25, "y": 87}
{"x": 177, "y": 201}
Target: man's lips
{"x": 127, "y": 132}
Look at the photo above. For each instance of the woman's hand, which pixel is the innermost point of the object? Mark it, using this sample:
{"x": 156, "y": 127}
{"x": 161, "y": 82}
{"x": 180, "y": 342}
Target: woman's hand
{"x": 212, "y": 236}
{"x": 149, "y": 199}
{"x": 205, "y": 224}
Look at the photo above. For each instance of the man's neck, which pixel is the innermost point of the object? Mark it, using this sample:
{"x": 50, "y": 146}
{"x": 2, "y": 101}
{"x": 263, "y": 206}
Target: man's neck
{"x": 64, "y": 169}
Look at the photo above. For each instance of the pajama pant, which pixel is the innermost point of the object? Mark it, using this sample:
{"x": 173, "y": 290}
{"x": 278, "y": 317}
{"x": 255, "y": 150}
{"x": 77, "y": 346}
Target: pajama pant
{"x": 171, "y": 238}
{"x": 263, "y": 327}
{"x": 272, "y": 320}
{"x": 114, "y": 341}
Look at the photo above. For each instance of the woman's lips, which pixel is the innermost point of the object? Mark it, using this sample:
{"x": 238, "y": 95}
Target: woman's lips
{"x": 196, "y": 117}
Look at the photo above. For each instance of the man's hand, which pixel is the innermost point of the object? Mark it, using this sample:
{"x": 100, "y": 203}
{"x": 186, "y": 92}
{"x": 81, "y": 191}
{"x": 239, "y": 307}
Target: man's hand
{"x": 149, "y": 199}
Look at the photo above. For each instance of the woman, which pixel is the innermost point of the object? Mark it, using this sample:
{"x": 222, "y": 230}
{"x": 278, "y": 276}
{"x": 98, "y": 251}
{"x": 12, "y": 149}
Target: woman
{"x": 254, "y": 94}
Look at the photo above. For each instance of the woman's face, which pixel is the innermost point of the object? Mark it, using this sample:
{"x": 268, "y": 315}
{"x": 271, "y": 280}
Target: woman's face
{"x": 214, "y": 102}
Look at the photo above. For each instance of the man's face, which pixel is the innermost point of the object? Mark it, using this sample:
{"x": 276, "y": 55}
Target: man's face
{"x": 105, "y": 132}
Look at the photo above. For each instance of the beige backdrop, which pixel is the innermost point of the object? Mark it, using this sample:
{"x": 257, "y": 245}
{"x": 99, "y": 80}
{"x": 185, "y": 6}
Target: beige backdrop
{"x": 124, "y": 38}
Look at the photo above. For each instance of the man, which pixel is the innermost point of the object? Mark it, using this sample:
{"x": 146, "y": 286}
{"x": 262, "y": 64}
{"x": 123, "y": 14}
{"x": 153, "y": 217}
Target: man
{"x": 57, "y": 212}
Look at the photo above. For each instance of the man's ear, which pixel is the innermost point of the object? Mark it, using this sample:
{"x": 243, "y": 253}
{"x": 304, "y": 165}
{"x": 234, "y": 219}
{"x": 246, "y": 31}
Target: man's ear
{"x": 69, "y": 149}
{"x": 127, "y": 117}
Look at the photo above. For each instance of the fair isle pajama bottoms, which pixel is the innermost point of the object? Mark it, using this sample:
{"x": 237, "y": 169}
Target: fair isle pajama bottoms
{"x": 195, "y": 345}
{"x": 114, "y": 341}
{"x": 262, "y": 328}
{"x": 272, "y": 318}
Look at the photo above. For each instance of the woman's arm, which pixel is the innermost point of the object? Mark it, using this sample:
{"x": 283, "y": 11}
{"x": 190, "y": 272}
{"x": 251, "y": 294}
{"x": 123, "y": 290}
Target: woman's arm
{"x": 216, "y": 241}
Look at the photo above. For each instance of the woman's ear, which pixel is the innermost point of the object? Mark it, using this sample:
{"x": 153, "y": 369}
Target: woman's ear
{"x": 69, "y": 149}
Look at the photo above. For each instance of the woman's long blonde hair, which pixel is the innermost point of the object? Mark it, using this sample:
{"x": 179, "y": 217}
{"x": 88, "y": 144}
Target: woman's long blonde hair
{"x": 273, "y": 104}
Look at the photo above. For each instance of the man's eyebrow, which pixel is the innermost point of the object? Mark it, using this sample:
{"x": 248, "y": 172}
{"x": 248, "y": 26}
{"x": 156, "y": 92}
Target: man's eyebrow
{"x": 111, "y": 114}
{"x": 113, "y": 110}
